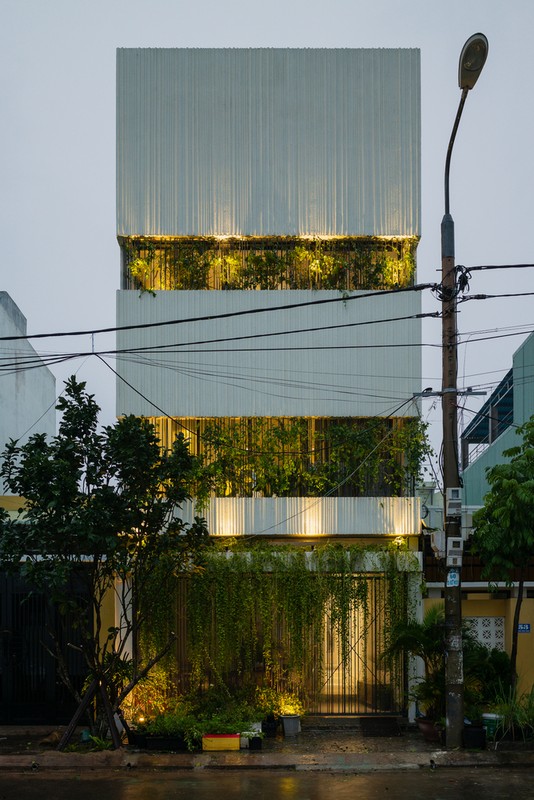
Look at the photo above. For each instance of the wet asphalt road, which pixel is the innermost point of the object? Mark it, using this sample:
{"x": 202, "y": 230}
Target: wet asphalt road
{"x": 439, "y": 784}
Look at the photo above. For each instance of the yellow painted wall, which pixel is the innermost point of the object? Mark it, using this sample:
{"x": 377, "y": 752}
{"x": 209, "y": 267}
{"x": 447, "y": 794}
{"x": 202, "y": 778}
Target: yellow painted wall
{"x": 108, "y": 615}
{"x": 485, "y": 606}
{"x": 11, "y": 502}
{"x": 505, "y": 608}
{"x": 525, "y": 642}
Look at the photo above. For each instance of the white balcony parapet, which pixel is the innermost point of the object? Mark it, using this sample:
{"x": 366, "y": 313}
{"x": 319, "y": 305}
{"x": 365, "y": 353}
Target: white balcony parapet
{"x": 309, "y": 516}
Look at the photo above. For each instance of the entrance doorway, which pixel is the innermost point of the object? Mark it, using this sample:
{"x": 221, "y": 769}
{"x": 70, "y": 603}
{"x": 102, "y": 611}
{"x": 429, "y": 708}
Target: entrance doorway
{"x": 362, "y": 683}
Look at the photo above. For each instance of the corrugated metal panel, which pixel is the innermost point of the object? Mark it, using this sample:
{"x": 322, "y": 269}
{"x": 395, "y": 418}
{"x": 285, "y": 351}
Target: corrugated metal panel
{"x": 310, "y": 516}
{"x": 268, "y": 142}
{"x": 187, "y": 370}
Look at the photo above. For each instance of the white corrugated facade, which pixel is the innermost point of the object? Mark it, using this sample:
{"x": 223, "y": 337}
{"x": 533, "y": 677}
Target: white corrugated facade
{"x": 309, "y": 516}
{"x": 274, "y": 143}
{"x": 268, "y": 142}
{"x": 350, "y": 365}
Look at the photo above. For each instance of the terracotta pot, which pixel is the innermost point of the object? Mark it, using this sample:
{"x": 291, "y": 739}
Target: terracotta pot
{"x": 429, "y": 729}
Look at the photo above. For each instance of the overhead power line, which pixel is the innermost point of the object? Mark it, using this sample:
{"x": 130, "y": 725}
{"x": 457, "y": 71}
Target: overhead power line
{"x": 342, "y": 298}
{"x": 178, "y": 346}
{"x": 195, "y": 433}
{"x": 21, "y": 363}
{"x": 493, "y": 296}
{"x": 498, "y": 266}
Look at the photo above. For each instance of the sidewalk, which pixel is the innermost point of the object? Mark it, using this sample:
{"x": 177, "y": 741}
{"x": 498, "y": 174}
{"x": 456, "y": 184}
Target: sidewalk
{"x": 327, "y": 750}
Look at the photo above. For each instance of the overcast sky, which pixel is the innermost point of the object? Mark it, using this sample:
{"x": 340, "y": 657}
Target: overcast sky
{"x": 59, "y": 259}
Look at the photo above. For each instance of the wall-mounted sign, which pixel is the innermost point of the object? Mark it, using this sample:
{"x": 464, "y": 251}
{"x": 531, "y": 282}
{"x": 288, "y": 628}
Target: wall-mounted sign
{"x": 523, "y": 627}
{"x": 453, "y": 578}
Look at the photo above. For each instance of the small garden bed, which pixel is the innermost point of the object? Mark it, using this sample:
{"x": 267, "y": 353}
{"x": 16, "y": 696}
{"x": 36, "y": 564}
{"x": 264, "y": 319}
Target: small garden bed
{"x": 215, "y": 720}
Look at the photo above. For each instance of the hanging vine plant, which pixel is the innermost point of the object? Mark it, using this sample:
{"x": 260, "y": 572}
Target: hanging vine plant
{"x": 295, "y": 456}
{"x": 344, "y": 263}
{"x": 263, "y": 608}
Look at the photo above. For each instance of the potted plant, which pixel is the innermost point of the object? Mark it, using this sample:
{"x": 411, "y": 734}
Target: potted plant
{"x": 252, "y": 736}
{"x": 225, "y": 720}
{"x": 274, "y": 707}
{"x": 426, "y": 640}
{"x": 483, "y": 669}
{"x": 266, "y": 702}
{"x": 169, "y": 730}
{"x": 290, "y": 710}
{"x": 511, "y": 716}
{"x": 218, "y": 739}
{"x": 223, "y": 731}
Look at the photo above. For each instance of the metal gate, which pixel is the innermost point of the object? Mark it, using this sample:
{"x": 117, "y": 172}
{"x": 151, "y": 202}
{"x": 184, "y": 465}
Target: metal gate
{"x": 30, "y": 689}
{"x": 364, "y": 684}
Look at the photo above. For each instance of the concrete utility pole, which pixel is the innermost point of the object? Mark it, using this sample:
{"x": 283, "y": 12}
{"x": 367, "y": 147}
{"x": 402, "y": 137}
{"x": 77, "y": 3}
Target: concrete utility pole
{"x": 472, "y": 60}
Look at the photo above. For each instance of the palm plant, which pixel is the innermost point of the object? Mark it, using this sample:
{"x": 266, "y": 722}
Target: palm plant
{"x": 424, "y": 639}
{"x": 484, "y": 670}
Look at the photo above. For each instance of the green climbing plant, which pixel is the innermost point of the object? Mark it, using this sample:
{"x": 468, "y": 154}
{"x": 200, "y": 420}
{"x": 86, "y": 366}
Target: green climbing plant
{"x": 261, "y": 610}
{"x": 293, "y": 457}
{"x": 343, "y": 263}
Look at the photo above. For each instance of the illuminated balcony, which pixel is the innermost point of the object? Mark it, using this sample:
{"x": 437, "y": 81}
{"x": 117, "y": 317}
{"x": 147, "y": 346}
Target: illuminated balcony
{"x": 310, "y": 517}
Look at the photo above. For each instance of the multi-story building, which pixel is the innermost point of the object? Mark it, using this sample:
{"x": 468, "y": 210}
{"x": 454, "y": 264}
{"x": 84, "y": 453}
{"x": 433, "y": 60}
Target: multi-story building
{"x": 268, "y": 214}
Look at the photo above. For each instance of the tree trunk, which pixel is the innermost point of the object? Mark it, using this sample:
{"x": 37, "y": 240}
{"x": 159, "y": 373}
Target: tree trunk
{"x": 515, "y": 631}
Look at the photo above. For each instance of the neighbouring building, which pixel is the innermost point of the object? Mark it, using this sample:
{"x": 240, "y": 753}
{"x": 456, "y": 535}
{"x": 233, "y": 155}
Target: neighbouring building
{"x": 29, "y": 690}
{"x": 483, "y": 441}
{"x": 493, "y": 429}
{"x": 268, "y": 215}
{"x": 27, "y": 395}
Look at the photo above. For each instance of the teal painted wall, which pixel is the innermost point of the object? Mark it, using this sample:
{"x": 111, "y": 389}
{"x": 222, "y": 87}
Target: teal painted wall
{"x": 474, "y": 476}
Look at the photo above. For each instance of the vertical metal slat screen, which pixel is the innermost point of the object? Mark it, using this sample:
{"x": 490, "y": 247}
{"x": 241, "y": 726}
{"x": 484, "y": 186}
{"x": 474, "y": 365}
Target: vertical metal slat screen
{"x": 364, "y": 684}
{"x": 30, "y": 688}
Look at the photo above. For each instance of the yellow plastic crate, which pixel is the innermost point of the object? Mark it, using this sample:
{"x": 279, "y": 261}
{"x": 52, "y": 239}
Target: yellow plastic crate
{"x": 221, "y": 741}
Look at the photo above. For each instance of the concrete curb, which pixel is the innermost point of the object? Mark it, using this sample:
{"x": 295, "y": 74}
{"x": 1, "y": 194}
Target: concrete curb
{"x": 345, "y": 762}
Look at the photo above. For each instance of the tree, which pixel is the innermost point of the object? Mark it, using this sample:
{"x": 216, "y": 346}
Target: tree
{"x": 100, "y": 509}
{"x": 504, "y": 526}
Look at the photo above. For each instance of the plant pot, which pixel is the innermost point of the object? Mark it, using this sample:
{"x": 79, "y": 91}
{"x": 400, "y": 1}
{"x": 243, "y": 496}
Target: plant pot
{"x": 431, "y": 732}
{"x": 491, "y": 723}
{"x": 269, "y": 727}
{"x": 290, "y": 724}
{"x": 166, "y": 743}
{"x": 255, "y": 743}
{"x": 137, "y": 739}
{"x": 221, "y": 741}
{"x": 253, "y": 728}
{"x": 474, "y": 737}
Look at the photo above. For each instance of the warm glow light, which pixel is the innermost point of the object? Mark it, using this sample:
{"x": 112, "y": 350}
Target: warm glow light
{"x": 312, "y": 519}
{"x": 395, "y": 518}
{"x": 288, "y": 787}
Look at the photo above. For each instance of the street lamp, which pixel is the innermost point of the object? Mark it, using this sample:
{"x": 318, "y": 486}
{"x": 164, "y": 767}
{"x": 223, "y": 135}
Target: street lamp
{"x": 472, "y": 60}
